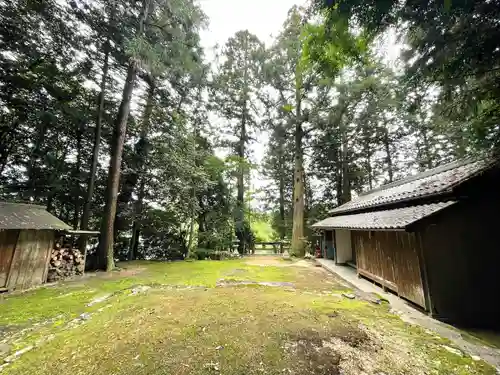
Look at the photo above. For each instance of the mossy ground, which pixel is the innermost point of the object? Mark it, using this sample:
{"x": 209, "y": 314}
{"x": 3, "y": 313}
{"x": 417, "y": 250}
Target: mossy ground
{"x": 309, "y": 329}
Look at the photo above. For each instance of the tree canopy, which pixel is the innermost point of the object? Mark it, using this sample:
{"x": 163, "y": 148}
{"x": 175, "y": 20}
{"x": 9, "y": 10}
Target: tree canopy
{"x": 114, "y": 117}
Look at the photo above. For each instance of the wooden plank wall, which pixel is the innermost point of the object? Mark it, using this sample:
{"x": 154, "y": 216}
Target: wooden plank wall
{"x": 8, "y": 239}
{"x": 462, "y": 254}
{"x": 409, "y": 275}
{"x": 391, "y": 259}
{"x": 372, "y": 261}
{"x": 31, "y": 257}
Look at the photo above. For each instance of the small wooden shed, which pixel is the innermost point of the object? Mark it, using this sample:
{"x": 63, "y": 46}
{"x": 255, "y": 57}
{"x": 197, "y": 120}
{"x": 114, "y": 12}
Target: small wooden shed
{"x": 431, "y": 238}
{"x": 27, "y": 234}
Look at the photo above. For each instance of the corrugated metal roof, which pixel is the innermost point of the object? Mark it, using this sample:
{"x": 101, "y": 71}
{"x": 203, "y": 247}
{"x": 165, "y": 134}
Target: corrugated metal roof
{"x": 28, "y": 216}
{"x": 398, "y": 218}
{"x": 435, "y": 181}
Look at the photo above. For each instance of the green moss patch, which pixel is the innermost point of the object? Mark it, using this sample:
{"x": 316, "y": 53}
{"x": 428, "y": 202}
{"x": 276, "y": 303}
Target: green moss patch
{"x": 169, "y": 318}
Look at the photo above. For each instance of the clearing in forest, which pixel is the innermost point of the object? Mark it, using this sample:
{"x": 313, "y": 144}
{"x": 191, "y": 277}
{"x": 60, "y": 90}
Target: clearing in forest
{"x": 246, "y": 316}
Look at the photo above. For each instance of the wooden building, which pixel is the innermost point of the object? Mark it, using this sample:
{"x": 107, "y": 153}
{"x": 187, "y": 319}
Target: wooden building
{"x": 27, "y": 234}
{"x": 431, "y": 238}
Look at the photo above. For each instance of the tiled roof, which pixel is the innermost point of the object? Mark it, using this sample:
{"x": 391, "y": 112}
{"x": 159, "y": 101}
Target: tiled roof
{"x": 398, "y": 218}
{"x": 28, "y": 216}
{"x": 435, "y": 181}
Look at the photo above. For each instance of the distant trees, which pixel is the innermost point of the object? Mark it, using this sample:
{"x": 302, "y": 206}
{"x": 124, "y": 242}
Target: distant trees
{"x": 293, "y": 83}
{"x": 362, "y": 123}
{"x": 85, "y": 84}
{"x": 453, "y": 46}
{"x": 302, "y": 93}
{"x": 237, "y": 81}
{"x": 106, "y": 114}
{"x": 278, "y": 167}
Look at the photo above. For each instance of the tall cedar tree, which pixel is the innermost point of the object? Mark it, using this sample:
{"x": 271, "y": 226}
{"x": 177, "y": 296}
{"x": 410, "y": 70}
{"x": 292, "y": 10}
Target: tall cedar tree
{"x": 236, "y": 83}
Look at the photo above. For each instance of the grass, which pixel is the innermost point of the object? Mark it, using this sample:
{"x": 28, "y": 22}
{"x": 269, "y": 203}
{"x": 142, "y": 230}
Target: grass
{"x": 484, "y": 337}
{"x": 308, "y": 329}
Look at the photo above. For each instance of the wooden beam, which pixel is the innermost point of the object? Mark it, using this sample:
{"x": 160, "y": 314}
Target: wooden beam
{"x": 77, "y": 231}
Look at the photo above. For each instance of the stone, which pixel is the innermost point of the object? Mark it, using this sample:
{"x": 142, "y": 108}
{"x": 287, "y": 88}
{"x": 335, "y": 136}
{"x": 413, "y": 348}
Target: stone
{"x": 17, "y": 354}
{"x": 349, "y": 295}
{"x": 475, "y": 357}
{"x": 140, "y": 289}
{"x": 85, "y": 316}
{"x": 98, "y": 300}
{"x": 452, "y": 350}
{"x": 212, "y": 366}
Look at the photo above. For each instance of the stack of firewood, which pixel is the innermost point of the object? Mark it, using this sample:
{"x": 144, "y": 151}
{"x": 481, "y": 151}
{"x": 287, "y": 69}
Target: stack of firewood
{"x": 65, "y": 261}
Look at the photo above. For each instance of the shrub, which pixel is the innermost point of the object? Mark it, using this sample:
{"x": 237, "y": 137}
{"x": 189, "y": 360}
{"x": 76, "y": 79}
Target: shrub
{"x": 202, "y": 254}
{"x": 191, "y": 256}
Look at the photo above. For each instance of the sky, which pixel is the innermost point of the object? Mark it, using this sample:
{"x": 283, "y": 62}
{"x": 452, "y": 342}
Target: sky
{"x": 260, "y": 17}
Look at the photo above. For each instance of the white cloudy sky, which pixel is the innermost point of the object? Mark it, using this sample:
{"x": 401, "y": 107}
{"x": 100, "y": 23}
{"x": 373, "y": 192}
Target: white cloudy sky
{"x": 260, "y": 17}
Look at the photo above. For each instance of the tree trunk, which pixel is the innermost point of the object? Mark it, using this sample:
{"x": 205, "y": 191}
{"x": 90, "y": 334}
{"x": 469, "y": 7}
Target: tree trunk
{"x": 50, "y": 201}
{"x": 193, "y": 195}
{"x": 370, "y": 172}
{"x": 388, "y": 155}
{"x": 7, "y": 142}
{"x": 191, "y": 224}
{"x": 240, "y": 198}
{"x": 427, "y": 162}
{"x": 84, "y": 225}
{"x": 337, "y": 160}
{"x": 106, "y": 253}
{"x": 282, "y": 198}
{"x": 32, "y": 190}
{"x": 137, "y": 167}
{"x": 136, "y": 232}
{"x": 346, "y": 181}
{"x": 201, "y": 217}
{"x": 297, "y": 245}
{"x": 107, "y": 224}
{"x": 77, "y": 175}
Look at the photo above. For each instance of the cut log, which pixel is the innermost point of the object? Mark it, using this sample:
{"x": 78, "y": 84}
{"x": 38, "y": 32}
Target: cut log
{"x": 65, "y": 261}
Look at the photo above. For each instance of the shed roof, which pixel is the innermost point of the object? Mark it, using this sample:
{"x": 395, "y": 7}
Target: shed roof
{"x": 398, "y": 218}
{"x": 436, "y": 181}
{"x": 28, "y": 216}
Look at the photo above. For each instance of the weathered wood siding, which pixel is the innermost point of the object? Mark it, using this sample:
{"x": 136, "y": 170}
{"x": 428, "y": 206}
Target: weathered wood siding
{"x": 462, "y": 255}
{"x": 8, "y": 239}
{"x": 408, "y": 266}
{"x": 391, "y": 259}
{"x": 31, "y": 258}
